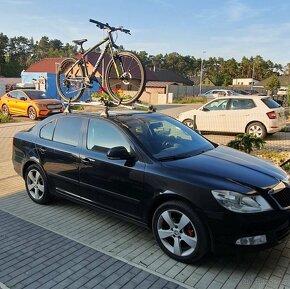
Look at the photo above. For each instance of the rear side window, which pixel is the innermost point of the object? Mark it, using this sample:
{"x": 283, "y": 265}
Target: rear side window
{"x": 271, "y": 103}
{"x": 46, "y": 132}
{"x": 68, "y": 130}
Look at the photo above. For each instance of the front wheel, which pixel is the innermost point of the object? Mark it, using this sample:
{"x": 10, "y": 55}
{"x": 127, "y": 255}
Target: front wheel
{"x": 70, "y": 80}
{"x": 180, "y": 232}
{"x": 125, "y": 77}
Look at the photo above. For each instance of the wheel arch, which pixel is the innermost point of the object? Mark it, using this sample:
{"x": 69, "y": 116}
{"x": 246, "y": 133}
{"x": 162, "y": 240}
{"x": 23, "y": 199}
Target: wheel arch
{"x": 253, "y": 121}
{"x": 173, "y": 197}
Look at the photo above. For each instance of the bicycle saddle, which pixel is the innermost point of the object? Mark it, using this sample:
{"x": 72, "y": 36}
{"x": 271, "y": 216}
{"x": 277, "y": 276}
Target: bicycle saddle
{"x": 79, "y": 42}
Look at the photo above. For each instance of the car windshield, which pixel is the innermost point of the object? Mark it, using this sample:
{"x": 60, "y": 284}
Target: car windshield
{"x": 163, "y": 137}
{"x": 36, "y": 94}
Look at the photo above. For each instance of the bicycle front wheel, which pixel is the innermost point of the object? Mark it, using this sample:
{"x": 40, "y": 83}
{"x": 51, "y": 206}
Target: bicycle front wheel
{"x": 70, "y": 80}
{"x": 125, "y": 77}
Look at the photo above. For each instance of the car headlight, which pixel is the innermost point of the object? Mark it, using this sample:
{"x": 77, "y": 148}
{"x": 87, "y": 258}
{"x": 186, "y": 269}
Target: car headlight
{"x": 241, "y": 203}
{"x": 40, "y": 105}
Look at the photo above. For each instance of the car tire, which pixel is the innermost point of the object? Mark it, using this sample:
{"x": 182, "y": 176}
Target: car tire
{"x": 188, "y": 122}
{"x": 32, "y": 113}
{"x": 257, "y": 129}
{"x": 179, "y": 232}
{"x": 5, "y": 110}
{"x": 36, "y": 185}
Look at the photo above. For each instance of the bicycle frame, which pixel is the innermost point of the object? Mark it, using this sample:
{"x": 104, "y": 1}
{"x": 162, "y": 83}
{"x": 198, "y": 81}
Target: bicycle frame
{"x": 109, "y": 46}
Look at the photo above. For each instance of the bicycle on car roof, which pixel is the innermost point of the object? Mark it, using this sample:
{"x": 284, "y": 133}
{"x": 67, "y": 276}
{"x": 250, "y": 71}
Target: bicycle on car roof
{"x": 124, "y": 76}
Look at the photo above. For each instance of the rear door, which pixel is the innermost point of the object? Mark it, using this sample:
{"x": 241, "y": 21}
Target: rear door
{"x": 59, "y": 149}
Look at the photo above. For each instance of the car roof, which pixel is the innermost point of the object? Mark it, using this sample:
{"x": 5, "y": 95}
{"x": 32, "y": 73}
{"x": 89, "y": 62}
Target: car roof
{"x": 242, "y": 97}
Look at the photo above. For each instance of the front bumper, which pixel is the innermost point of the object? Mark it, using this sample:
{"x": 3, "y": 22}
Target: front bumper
{"x": 227, "y": 228}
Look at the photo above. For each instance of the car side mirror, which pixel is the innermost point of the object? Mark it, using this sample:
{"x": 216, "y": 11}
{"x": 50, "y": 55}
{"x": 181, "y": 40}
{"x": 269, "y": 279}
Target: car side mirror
{"x": 22, "y": 98}
{"x": 119, "y": 153}
{"x": 205, "y": 109}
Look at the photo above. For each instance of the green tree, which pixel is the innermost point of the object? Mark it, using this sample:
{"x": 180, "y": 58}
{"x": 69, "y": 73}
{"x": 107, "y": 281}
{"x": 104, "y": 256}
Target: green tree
{"x": 273, "y": 83}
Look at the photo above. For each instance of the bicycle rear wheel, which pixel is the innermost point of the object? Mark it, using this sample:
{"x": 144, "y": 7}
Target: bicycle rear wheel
{"x": 70, "y": 80}
{"x": 125, "y": 77}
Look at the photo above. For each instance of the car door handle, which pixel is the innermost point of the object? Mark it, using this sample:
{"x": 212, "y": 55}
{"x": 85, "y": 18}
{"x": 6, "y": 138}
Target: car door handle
{"x": 87, "y": 161}
{"x": 42, "y": 150}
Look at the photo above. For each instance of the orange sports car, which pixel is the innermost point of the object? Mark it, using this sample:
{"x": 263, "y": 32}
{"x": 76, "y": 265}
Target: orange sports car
{"x": 29, "y": 102}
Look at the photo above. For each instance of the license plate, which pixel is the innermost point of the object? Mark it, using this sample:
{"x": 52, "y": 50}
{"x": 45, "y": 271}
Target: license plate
{"x": 55, "y": 110}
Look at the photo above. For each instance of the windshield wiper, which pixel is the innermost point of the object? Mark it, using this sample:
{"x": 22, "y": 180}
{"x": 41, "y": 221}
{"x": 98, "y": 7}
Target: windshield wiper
{"x": 178, "y": 157}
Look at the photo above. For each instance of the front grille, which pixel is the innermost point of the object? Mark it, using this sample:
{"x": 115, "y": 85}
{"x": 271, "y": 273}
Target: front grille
{"x": 54, "y": 106}
{"x": 281, "y": 194}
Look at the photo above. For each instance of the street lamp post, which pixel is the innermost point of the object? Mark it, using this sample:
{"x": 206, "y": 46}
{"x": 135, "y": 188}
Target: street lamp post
{"x": 253, "y": 71}
{"x": 201, "y": 71}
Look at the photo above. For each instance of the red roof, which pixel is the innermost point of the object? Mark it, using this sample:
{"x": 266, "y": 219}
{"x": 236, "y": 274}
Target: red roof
{"x": 45, "y": 65}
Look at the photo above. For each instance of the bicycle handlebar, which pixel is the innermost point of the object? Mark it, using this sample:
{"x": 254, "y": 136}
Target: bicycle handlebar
{"x": 111, "y": 28}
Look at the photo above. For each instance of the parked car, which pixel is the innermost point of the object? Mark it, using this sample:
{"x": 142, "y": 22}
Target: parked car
{"x": 218, "y": 93}
{"x": 258, "y": 115}
{"x": 152, "y": 169}
{"x": 240, "y": 91}
{"x": 253, "y": 92}
{"x": 29, "y": 102}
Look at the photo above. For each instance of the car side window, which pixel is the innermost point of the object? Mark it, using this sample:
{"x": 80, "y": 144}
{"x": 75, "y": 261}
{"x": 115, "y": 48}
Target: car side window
{"x": 46, "y": 132}
{"x": 103, "y": 135}
{"x": 68, "y": 130}
{"x": 20, "y": 95}
{"x": 242, "y": 104}
{"x": 219, "y": 104}
{"x": 13, "y": 94}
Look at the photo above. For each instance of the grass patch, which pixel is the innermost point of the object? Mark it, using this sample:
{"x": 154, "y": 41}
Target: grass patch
{"x": 77, "y": 107}
{"x": 277, "y": 158}
{"x": 6, "y": 118}
{"x": 190, "y": 99}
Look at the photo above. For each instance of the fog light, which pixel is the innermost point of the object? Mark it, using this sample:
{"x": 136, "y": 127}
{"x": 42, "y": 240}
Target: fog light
{"x": 254, "y": 240}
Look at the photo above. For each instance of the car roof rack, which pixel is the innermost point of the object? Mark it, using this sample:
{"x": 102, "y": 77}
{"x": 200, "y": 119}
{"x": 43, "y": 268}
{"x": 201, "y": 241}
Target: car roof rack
{"x": 107, "y": 104}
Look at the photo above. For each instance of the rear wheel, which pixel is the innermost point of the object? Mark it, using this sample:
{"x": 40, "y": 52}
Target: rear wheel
{"x": 70, "y": 80}
{"x": 180, "y": 232}
{"x": 5, "y": 109}
{"x": 36, "y": 185}
{"x": 125, "y": 77}
{"x": 257, "y": 129}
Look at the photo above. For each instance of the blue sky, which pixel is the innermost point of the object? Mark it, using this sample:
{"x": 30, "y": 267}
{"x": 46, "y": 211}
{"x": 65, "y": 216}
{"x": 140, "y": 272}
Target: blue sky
{"x": 229, "y": 28}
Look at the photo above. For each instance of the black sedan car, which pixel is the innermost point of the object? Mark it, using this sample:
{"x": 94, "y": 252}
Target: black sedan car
{"x": 154, "y": 170}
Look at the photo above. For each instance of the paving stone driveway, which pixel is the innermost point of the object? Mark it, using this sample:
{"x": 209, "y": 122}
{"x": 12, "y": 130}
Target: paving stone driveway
{"x": 122, "y": 242}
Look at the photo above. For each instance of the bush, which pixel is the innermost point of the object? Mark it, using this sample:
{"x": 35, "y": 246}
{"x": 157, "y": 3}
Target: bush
{"x": 190, "y": 99}
{"x": 246, "y": 142}
{"x": 6, "y": 118}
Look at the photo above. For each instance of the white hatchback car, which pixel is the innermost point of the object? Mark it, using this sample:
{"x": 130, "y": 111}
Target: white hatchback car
{"x": 258, "y": 115}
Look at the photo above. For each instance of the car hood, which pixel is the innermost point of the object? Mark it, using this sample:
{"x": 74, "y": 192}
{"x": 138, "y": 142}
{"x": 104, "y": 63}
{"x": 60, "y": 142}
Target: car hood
{"x": 223, "y": 163}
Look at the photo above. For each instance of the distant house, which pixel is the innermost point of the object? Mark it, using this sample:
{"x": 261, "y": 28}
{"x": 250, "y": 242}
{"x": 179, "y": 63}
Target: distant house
{"x": 159, "y": 80}
{"x": 244, "y": 81}
{"x": 205, "y": 81}
{"x": 43, "y": 75}
{"x": 8, "y": 83}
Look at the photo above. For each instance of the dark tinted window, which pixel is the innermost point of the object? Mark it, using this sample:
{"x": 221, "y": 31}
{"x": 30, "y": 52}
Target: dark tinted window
{"x": 271, "y": 103}
{"x": 36, "y": 94}
{"x": 103, "y": 135}
{"x": 68, "y": 130}
{"x": 46, "y": 132}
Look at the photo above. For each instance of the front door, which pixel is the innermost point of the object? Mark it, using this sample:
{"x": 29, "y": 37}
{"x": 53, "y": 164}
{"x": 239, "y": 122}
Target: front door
{"x": 113, "y": 184}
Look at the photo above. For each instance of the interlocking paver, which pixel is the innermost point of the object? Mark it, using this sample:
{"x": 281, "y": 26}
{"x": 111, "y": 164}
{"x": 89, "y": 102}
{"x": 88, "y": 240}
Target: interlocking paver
{"x": 71, "y": 270}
